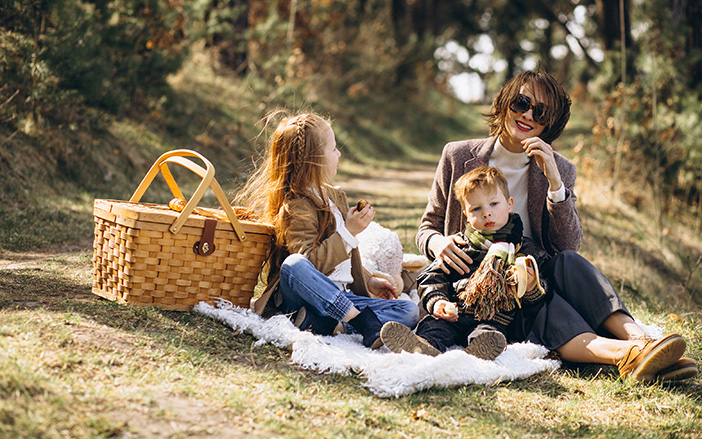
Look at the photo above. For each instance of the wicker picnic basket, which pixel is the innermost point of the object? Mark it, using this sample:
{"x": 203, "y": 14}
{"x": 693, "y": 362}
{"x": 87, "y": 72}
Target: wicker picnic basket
{"x": 150, "y": 254}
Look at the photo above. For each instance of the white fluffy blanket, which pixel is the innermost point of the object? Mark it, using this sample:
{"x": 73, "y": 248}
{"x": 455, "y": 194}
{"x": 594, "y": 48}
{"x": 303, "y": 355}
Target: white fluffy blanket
{"x": 384, "y": 373}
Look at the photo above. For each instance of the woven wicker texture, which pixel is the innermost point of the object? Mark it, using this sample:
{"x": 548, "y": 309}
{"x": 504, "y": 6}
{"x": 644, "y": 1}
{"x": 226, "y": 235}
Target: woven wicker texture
{"x": 138, "y": 260}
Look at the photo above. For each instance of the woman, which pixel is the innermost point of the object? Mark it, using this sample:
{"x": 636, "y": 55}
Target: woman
{"x": 585, "y": 321}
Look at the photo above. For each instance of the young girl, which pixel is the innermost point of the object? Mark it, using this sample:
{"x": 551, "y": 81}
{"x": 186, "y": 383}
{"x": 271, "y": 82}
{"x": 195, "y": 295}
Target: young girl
{"x": 314, "y": 269}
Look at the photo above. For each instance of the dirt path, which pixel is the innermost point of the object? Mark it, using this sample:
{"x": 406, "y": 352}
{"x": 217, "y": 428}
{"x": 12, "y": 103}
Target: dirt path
{"x": 411, "y": 182}
{"x": 398, "y": 195}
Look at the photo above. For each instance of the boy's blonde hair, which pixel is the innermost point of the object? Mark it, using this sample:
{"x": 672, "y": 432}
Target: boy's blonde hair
{"x": 484, "y": 177}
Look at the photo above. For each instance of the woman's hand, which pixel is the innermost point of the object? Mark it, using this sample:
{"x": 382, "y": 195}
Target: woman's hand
{"x": 358, "y": 220}
{"x": 381, "y": 288}
{"x": 440, "y": 310}
{"x": 543, "y": 154}
{"x": 448, "y": 254}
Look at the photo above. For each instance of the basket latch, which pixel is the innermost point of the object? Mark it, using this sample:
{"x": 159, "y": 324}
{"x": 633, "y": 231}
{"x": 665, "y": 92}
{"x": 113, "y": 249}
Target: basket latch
{"x": 205, "y": 246}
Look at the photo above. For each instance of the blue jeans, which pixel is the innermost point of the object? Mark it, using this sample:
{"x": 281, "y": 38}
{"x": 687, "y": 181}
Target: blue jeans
{"x": 301, "y": 284}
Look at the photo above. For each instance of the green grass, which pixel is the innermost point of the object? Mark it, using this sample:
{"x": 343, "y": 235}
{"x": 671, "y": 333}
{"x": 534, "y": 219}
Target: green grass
{"x": 79, "y": 366}
{"x": 75, "y": 365}
{"x": 56, "y": 222}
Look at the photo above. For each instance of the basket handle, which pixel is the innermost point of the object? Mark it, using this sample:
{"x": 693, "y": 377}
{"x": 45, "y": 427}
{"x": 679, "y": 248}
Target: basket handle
{"x": 177, "y": 156}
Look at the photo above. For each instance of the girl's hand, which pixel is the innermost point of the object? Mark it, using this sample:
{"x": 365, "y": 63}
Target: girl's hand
{"x": 381, "y": 288}
{"x": 448, "y": 254}
{"x": 440, "y": 310}
{"x": 543, "y": 154}
{"x": 358, "y": 220}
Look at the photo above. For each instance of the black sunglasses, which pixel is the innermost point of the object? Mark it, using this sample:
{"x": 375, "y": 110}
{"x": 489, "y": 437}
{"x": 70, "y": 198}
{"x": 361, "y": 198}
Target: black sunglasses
{"x": 522, "y": 104}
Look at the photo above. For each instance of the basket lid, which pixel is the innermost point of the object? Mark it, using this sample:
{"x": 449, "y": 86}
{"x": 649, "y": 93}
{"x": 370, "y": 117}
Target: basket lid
{"x": 157, "y": 216}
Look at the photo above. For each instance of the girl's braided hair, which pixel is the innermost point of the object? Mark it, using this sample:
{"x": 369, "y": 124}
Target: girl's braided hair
{"x": 294, "y": 167}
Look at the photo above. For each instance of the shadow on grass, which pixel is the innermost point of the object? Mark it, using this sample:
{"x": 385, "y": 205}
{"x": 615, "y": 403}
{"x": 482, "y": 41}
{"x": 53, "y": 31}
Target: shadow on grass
{"x": 592, "y": 372}
{"x": 37, "y": 290}
{"x": 49, "y": 226}
{"x": 195, "y": 338}
{"x": 498, "y": 408}
{"x": 633, "y": 245}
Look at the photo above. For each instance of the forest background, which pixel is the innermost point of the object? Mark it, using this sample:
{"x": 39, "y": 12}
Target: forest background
{"x": 74, "y": 70}
{"x": 91, "y": 92}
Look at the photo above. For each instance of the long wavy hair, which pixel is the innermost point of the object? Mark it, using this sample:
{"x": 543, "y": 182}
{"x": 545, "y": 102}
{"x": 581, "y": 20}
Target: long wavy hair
{"x": 555, "y": 97}
{"x": 294, "y": 166}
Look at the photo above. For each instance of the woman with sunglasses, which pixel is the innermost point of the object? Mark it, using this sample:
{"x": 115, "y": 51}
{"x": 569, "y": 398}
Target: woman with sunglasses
{"x": 585, "y": 321}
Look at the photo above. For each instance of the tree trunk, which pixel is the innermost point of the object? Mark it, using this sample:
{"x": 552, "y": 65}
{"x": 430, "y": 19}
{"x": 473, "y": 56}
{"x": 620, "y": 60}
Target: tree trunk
{"x": 609, "y": 23}
{"x": 232, "y": 50}
{"x": 694, "y": 40}
{"x": 545, "y": 48}
{"x": 400, "y": 21}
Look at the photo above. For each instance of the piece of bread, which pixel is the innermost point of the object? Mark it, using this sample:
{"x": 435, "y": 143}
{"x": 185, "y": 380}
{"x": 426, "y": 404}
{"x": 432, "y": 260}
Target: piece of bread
{"x": 451, "y": 308}
{"x": 361, "y": 204}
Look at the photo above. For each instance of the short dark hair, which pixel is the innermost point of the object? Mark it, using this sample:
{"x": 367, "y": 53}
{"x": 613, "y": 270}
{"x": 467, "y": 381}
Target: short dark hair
{"x": 556, "y": 99}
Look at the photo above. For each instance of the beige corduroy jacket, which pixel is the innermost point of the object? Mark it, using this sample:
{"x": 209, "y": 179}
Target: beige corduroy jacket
{"x": 305, "y": 219}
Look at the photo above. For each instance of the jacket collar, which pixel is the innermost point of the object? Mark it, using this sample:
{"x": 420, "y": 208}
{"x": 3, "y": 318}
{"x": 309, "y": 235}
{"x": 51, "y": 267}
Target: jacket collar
{"x": 482, "y": 150}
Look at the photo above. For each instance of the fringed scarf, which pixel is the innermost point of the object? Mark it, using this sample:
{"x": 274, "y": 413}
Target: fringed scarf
{"x": 489, "y": 290}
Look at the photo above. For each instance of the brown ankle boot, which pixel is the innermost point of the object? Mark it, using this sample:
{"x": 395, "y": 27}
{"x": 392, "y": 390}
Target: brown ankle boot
{"x": 643, "y": 363}
{"x": 487, "y": 345}
{"x": 683, "y": 369}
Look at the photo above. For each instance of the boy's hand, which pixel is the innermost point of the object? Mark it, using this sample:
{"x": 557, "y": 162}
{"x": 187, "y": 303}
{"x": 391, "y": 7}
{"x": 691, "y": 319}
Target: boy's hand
{"x": 448, "y": 254}
{"x": 531, "y": 277}
{"x": 381, "y": 288}
{"x": 358, "y": 220}
{"x": 524, "y": 274}
{"x": 443, "y": 309}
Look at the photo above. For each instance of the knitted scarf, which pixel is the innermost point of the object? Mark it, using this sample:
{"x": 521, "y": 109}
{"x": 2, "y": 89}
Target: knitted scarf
{"x": 483, "y": 239}
{"x": 488, "y": 290}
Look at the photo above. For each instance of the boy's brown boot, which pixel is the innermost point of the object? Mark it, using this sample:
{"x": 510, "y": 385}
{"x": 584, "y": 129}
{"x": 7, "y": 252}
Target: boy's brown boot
{"x": 643, "y": 363}
{"x": 398, "y": 338}
{"x": 487, "y": 345}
